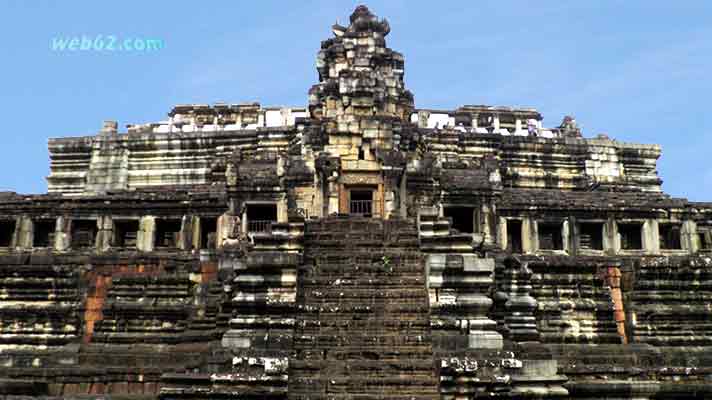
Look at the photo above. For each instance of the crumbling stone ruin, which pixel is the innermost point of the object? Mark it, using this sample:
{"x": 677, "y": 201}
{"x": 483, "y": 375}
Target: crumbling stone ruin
{"x": 358, "y": 248}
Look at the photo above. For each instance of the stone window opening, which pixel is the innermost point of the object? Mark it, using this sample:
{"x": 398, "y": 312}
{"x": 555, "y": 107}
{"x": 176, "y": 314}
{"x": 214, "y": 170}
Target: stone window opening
{"x": 670, "y": 235}
{"x": 361, "y": 154}
{"x": 167, "y": 232}
{"x": 361, "y": 202}
{"x": 705, "y": 239}
{"x": 514, "y": 236}
{"x": 7, "y": 231}
{"x": 462, "y": 218}
{"x": 43, "y": 233}
{"x": 84, "y": 233}
{"x": 464, "y": 120}
{"x": 507, "y": 121}
{"x": 260, "y": 217}
{"x": 631, "y": 235}
{"x": 550, "y": 236}
{"x": 485, "y": 120}
{"x": 208, "y": 233}
{"x": 590, "y": 236}
{"x": 125, "y": 233}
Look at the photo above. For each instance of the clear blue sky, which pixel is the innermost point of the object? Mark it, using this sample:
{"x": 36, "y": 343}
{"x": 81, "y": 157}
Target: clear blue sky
{"x": 637, "y": 70}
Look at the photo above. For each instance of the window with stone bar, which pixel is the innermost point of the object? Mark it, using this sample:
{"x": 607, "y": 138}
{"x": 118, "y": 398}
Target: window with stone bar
{"x": 590, "y": 235}
{"x": 260, "y": 217}
{"x": 550, "y": 237}
{"x": 43, "y": 233}
{"x": 7, "y": 231}
{"x": 631, "y": 234}
{"x": 83, "y": 233}
{"x": 669, "y": 235}
{"x": 361, "y": 202}
{"x": 125, "y": 233}
{"x": 167, "y": 232}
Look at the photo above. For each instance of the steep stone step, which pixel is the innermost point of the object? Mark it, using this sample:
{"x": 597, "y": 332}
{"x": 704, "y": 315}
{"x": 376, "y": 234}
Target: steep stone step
{"x": 372, "y": 281}
{"x": 339, "y": 339}
{"x": 363, "y": 326}
{"x": 411, "y": 365}
{"x": 40, "y": 304}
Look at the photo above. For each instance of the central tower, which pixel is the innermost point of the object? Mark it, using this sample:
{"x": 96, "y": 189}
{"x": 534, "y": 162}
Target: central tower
{"x": 360, "y": 106}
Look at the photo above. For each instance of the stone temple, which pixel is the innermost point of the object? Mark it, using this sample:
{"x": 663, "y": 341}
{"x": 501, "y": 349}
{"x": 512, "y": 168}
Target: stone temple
{"x": 357, "y": 248}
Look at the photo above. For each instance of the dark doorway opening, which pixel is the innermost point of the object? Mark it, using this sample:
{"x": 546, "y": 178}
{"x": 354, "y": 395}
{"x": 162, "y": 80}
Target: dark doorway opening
{"x": 550, "y": 237}
{"x": 670, "y": 235}
{"x": 631, "y": 236}
{"x": 125, "y": 233}
{"x": 167, "y": 233}
{"x": 208, "y": 233}
{"x": 514, "y": 236}
{"x": 705, "y": 238}
{"x": 43, "y": 233}
{"x": 462, "y": 218}
{"x": 590, "y": 236}
{"x": 84, "y": 233}
{"x": 7, "y": 231}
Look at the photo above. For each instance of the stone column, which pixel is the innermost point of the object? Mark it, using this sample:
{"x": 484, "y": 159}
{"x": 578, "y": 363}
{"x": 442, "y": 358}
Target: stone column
{"x": 105, "y": 232}
{"x": 651, "y": 237}
{"x": 689, "y": 239}
{"x": 611, "y": 241}
{"x": 392, "y": 191}
{"x": 566, "y": 236}
{"x": 145, "y": 236}
{"x": 502, "y": 233}
{"x": 185, "y": 237}
{"x": 63, "y": 234}
{"x": 487, "y": 230}
{"x": 282, "y": 208}
{"x": 423, "y": 117}
{"x": 530, "y": 236}
{"x": 196, "y": 224}
{"x": 333, "y": 198}
{"x": 226, "y": 225}
{"x": 25, "y": 232}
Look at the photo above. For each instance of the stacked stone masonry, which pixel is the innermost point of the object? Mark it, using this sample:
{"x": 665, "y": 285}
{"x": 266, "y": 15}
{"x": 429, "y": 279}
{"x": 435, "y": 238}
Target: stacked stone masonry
{"x": 357, "y": 247}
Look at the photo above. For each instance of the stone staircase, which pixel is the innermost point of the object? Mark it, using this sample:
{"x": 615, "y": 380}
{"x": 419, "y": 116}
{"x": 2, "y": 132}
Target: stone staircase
{"x": 670, "y": 301}
{"x": 40, "y": 311}
{"x": 146, "y": 310}
{"x": 39, "y": 299}
{"x": 363, "y": 325}
{"x": 459, "y": 285}
{"x": 438, "y": 236}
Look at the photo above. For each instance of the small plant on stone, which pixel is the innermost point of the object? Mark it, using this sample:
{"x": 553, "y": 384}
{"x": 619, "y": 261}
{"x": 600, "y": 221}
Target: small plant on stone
{"x": 386, "y": 262}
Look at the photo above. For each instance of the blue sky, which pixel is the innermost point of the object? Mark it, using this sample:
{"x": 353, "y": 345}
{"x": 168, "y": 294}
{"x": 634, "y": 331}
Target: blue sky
{"x": 636, "y": 70}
